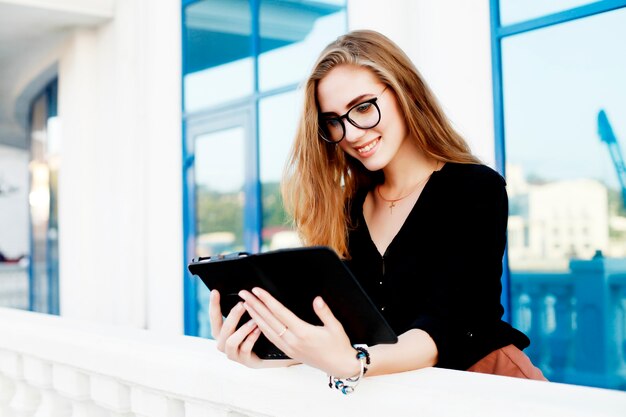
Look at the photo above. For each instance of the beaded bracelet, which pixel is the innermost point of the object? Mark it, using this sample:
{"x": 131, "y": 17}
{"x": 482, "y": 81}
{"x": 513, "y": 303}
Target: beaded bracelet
{"x": 347, "y": 386}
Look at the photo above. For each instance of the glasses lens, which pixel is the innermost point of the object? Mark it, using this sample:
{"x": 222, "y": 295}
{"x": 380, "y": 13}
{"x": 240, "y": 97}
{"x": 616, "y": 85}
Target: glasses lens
{"x": 331, "y": 129}
{"x": 365, "y": 115}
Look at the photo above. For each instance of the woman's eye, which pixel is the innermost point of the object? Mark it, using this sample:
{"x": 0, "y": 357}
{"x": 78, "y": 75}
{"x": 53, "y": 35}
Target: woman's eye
{"x": 363, "y": 107}
{"x": 332, "y": 123}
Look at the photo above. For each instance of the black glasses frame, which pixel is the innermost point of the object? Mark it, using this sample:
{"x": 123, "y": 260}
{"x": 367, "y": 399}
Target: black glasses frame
{"x": 352, "y": 122}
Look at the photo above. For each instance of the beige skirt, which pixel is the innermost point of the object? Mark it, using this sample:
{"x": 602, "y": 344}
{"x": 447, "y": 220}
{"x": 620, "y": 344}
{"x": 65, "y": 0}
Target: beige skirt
{"x": 508, "y": 361}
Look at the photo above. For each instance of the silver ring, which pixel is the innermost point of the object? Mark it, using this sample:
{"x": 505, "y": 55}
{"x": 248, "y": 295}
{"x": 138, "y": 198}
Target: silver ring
{"x": 282, "y": 332}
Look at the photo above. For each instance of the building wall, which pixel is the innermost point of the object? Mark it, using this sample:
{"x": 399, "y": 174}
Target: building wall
{"x": 13, "y": 202}
{"x": 558, "y": 221}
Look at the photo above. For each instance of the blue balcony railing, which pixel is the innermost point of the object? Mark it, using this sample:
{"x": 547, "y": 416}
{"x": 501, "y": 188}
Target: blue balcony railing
{"x": 576, "y": 321}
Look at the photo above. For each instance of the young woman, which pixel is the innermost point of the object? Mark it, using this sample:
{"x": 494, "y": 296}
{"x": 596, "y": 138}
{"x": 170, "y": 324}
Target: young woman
{"x": 378, "y": 174}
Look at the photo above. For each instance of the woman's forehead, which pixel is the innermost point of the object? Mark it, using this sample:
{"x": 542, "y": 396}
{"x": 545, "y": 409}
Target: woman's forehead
{"x": 342, "y": 84}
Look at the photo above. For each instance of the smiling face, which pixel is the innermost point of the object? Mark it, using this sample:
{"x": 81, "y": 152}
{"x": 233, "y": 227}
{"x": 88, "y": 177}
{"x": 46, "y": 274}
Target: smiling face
{"x": 346, "y": 86}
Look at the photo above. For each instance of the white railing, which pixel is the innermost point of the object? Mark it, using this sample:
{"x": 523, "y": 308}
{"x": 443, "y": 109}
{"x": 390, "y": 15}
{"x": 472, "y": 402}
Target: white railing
{"x": 52, "y": 366}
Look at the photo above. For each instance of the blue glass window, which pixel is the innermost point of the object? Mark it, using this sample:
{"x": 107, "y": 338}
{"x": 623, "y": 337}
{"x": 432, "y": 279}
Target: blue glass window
{"x": 43, "y": 196}
{"x": 278, "y": 117}
{"x": 219, "y": 181}
{"x": 218, "y": 47}
{"x": 242, "y": 63}
{"x": 563, "y": 100}
{"x": 289, "y": 33}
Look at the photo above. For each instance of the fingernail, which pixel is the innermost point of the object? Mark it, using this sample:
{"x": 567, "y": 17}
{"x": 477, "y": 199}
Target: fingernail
{"x": 251, "y": 323}
{"x": 319, "y": 303}
{"x": 256, "y": 291}
{"x": 239, "y": 306}
{"x": 243, "y": 294}
{"x": 256, "y": 331}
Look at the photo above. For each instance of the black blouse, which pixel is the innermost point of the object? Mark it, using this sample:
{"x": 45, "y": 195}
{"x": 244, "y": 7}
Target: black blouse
{"x": 441, "y": 272}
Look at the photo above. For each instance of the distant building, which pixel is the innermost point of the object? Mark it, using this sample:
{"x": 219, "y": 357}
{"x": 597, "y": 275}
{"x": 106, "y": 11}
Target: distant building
{"x": 554, "y": 222}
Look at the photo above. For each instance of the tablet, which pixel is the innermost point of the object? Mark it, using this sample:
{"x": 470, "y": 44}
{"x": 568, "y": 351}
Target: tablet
{"x": 295, "y": 277}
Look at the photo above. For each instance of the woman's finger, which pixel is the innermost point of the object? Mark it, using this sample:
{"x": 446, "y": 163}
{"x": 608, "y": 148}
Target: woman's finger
{"x": 234, "y": 341}
{"x": 275, "y": 314}
{"x": 278, "y": 339}
{"x": 261, "y": 309}
{"x": 245, "y": 349}
{"x": 326, "y": 316}
{"x": 269, "y": 324}
{"x": 229, "y": 325}
{"x": 215, "y": 314}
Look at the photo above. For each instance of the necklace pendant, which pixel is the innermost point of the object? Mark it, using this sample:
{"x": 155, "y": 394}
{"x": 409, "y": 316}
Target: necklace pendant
{"x": 392, "y": 204}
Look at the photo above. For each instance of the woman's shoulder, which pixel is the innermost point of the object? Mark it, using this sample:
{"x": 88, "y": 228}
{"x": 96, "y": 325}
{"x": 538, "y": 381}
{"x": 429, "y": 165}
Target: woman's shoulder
{"x": 471, "y": 174}
{"x": 457, "y": 183}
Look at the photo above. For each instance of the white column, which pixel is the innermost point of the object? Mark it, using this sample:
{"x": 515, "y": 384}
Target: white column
{"x": 38, "y": 374}
{"x": 121, "y": 200}
{"x": 204, "y": 409}
{"x": 161, "y": 39}
{"x": 80, "y": 238}
{"x": 74, "y": 385}
{"x": 112, "y": 395}
{"x": 102, "y": 200}
{"x": 7, "y": 390}
{"x": 148, "y": 403}
{"x": 25, "y": 398}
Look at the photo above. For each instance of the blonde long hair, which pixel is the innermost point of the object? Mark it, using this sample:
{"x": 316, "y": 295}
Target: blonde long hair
{"x": 319, "y": 179}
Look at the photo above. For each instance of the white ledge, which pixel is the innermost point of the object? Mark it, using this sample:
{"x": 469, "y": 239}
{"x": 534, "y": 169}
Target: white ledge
{"x": 190, "y": 371}
{"x": 94, "y": 9}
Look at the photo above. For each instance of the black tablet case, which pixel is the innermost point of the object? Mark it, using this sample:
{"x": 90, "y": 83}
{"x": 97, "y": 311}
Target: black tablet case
{"x": 295, "y": 277}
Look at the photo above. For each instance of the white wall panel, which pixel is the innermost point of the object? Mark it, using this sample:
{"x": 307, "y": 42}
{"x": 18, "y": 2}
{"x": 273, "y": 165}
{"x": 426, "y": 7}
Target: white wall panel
{"x": 449, "y": 41}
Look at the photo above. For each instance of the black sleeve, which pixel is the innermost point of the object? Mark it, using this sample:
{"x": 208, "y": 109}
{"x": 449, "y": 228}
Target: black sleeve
{"x": 464, "y": 310}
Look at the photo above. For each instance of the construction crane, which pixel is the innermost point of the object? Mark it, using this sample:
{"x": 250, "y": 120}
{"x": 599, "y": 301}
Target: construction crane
{"x": 607, "y": 136}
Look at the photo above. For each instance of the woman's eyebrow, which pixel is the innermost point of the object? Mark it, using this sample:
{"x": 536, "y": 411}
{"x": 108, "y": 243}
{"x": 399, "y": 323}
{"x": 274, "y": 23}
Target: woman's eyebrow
{"x": 351, "y": 103}
{"x": 357, "y": 99}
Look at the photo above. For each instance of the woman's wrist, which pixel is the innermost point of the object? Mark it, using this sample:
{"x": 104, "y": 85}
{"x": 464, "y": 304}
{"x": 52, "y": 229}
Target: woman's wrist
{"x": 348, "y": 365}
{"x": 347, "y": 384}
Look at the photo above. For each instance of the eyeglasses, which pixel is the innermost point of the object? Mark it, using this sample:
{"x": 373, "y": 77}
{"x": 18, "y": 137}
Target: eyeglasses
{"x": 365, "y": 115}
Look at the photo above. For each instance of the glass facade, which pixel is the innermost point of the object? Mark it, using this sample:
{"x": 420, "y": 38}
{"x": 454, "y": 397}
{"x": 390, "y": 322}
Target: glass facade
{"x": 43, "y": 196}
{"x": 218, "y": 47}
{"x": 242, "y": 63}
{"x": 563, "y": 97}
{"x": 278, "y": 116}
{"x": 291, "y": 35}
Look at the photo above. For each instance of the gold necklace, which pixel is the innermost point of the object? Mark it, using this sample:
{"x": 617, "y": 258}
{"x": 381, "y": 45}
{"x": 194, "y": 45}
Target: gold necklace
{"x": 392, "y": 202}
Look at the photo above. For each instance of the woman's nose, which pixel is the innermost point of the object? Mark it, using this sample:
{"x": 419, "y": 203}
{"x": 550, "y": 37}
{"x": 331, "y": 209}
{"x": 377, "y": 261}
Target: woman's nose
{"x": 352, "y": 132}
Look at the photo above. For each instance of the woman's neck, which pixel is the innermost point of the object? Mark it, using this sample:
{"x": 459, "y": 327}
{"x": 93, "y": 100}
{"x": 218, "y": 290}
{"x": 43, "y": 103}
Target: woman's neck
{"x": 409, "y": 166}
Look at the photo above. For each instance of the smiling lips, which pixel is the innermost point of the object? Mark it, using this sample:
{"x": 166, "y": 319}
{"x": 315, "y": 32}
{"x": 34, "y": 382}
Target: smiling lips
{"x": 368, "y": 147}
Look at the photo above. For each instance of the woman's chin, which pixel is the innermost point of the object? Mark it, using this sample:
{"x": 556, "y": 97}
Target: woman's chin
{"x": 373, "y": 165}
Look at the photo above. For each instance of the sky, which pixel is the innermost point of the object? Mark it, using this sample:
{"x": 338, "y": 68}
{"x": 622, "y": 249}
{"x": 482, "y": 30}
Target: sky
{"x": 556, "y": 80}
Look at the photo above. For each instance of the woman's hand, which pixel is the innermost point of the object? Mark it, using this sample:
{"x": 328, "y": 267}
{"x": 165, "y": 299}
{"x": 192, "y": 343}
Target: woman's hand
{"x": 237, "y": 343}
{"x": 325, "y": 347}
